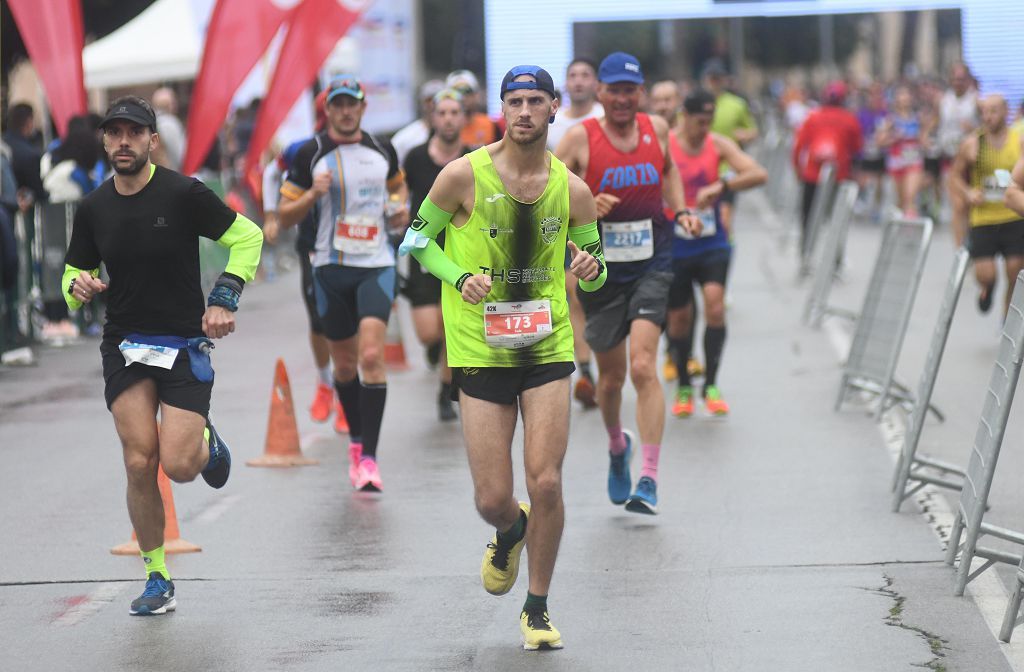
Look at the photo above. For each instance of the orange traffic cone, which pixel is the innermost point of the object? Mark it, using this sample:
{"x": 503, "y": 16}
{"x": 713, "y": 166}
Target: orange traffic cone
{"x": 394, "y": 350}
{"x": 282, "y": 447}
{"x": 173, "y": 543}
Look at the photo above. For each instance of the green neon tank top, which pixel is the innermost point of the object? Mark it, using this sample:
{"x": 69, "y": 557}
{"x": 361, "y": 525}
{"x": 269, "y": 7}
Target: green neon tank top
{"x": 522, "y": 247}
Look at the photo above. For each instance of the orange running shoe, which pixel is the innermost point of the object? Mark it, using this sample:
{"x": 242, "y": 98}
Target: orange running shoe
{"x": 340, "y": 421}
{"x": 669, "y": 371}
{"x": 714, "y": 402}
{"x": 585, "y": 391}
{"x": 683, "y": 406}
{"x": 321, "y": 408}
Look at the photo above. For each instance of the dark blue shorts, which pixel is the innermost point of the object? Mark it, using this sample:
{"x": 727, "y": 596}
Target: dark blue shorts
{"x": 345, "y": 295}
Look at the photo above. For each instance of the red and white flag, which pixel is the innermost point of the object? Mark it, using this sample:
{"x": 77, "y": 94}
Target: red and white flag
{"x": 52, "y": 32}
{"x": 313, "y": 31}
{"x": 239, "y": 33}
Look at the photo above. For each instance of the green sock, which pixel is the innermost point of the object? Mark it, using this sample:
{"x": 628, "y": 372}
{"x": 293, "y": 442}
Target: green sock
{"x": 155, "y": 562}
{"x": 206, "y": 435}
{"x": 516, "y": 532}
{"x": 535, "y": 603}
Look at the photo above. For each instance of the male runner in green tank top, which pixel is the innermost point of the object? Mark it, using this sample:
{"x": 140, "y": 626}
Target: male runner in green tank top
{"x": 506, "y": 210}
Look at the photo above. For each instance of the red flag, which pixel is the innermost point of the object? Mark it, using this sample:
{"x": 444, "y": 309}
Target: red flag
{"x": 53, "y": 35}
{"x": 313, "y": 31}
{"x": 239, "y": 32}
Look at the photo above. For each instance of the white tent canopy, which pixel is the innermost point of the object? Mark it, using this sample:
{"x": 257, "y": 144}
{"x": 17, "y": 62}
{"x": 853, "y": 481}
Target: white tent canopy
{"x": 160, "y": 44}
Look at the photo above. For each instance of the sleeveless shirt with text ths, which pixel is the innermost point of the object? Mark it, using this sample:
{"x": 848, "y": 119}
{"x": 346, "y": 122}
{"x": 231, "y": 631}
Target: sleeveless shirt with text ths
{"x": 636, "y": 178}
{"x": 983, "y": 176}
{"x": 524, "y": 320}
{"x": 697, "y": 171}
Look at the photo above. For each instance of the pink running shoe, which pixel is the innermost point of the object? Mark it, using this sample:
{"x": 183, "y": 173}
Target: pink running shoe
{"x": 369, "y": 476}
{"x": 355, "y": 453}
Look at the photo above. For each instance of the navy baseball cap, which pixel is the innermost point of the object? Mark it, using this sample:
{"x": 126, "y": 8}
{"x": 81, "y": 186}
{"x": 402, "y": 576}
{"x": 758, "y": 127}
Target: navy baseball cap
{"x": 345, "y": 85}
{"x": 620, "y": 67}
{"x": 131, "y": 108}
{"x": 541, "y": 80}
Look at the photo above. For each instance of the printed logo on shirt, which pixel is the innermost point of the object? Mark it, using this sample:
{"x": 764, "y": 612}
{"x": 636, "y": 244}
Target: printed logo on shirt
{"x": 549, "y": 228}
{"x": 516, "y": 276}
{"x": 494, "y": 230}
{"x": 160, "y": 223}
{"x": 494, "y": 197}
{"x": 620, "y": 177}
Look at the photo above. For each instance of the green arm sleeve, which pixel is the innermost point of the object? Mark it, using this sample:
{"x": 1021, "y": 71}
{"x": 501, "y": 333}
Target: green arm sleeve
{"x": 588, "y": 240}
{"x": 245, "y": 241}
{"x": 70, "y": 273}
{"x": 421, "y": 244}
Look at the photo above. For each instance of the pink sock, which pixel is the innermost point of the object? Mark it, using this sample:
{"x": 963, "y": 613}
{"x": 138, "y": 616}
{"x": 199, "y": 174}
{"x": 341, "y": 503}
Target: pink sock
{"x": 651, "y": 453}
{"x": 616, "y": 440}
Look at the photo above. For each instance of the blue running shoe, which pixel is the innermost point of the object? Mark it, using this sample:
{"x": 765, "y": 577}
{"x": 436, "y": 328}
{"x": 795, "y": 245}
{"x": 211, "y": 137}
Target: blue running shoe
{"x": 645, "y": 499}
{"x": 157, "y": 598}
{"x": 219, "y": 467}
{"x": 618, "y": 471}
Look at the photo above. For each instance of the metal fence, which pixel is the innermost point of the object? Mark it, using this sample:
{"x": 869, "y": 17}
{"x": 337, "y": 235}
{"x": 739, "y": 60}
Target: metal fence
{"x": 830, "y": 257}
{"x": 882, "y": 325}
{"x": 969, "y": 525}
{"x": 821, "y": 204}
{"x": 914, "y": 471}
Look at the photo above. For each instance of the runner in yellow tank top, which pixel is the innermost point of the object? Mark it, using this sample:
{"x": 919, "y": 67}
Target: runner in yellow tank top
{"x": 507, "y": 210}
{"x": 981, "y": 173}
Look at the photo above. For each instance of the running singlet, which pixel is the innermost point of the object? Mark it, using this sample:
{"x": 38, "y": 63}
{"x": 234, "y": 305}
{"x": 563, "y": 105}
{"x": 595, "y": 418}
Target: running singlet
{"x": 636, "y": 236}
{"x": 351, "y": 228}
{"x": 990, "y": 173}
{"x": 524, "y": 320}
{"x": 906, "y": 152}
{"x": 696, "y": 172}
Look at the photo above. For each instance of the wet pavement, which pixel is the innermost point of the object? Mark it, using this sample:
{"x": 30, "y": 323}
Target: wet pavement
{"x": 774, "y": 548}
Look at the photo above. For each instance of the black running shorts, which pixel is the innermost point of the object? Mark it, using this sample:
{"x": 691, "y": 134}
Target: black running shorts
{"x": 702, "y": 268}
{"x": 611, "y": 309}
{"x": 503, "y": 385}
{"x": 176, "y": 386}
{"x": 992, "y": 239}
{"x": 421, "y": 287}
{"x": 346, "y": 294}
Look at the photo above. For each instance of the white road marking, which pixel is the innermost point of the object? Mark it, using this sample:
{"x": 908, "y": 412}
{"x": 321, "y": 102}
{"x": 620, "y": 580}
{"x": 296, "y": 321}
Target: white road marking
{"x": 987, "y": 591}
{"x": 217, "y": 509}
{"x": 101, "y": 596}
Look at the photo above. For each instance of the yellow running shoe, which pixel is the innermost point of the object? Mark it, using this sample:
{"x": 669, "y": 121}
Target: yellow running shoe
{"x": 714, "y": 402}
{"x": 669, "y": 371}
{"x": 500, "y": 567}
{"x": 538, "y": 633}
{"x": 694, "y": 367}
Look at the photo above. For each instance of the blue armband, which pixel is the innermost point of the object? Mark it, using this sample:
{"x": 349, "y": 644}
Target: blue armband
{"x": 226, "y": 292}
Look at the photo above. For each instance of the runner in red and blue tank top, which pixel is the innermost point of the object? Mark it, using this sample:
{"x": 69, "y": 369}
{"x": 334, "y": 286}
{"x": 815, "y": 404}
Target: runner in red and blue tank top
{"x": 624, "y": 159}
{"x": 704, "y": 258}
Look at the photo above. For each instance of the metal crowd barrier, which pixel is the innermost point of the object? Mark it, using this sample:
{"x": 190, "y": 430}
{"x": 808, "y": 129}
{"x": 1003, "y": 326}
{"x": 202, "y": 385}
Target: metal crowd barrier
{"x": 53, "y": 233}
{"x": 912, "y": 470}
{"x": 816, "y": 307}
{"x": 882, "y": 325}
{"x": 820, "y": 205}
{"x": 969, "y": 525}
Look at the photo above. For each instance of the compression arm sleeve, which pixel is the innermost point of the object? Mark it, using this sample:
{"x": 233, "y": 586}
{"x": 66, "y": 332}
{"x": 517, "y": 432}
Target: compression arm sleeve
{"x": 70, "y": 273}
{"x": 420, "y": 241}
{"x": 244, "y": 240}
{"x": 588, "y": 239}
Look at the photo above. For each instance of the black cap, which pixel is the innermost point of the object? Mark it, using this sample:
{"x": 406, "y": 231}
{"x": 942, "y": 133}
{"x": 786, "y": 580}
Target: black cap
{"x": 131, "y": 110}
{"x": 713, "y": 67}
{"x": 542, "y": 80}
{"x": 699, "y": 101}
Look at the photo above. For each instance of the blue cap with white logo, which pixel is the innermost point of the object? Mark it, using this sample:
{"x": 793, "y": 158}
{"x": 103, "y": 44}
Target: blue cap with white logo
{"x": 620, "y": 67}
{"x": 541, "y": 80}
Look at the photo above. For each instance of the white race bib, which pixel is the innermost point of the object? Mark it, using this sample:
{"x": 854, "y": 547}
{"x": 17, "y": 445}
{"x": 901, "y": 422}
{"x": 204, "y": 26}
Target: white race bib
{"x": 628, "y": 241}
{"x": 150, "y": 355}
{"x": 994, "y": 186}
{"x": 357, "y": 234}
{"x": 516, "y": 324}
{"x": 708, "y": 228}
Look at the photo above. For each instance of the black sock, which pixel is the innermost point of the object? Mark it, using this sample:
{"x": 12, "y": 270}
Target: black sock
{"x": 535, "y": 603}
{"x": 681, "y": 349}
{"x": 714, "y": 342}
{"x": 584, "y": 368}
{"x": 348, "y": 395}
{"x": 371, "y": 405}
{"x": 515, "y": 533}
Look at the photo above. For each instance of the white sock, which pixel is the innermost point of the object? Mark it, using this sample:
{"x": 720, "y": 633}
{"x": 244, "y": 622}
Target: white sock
{"x": 326, "y": 377}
